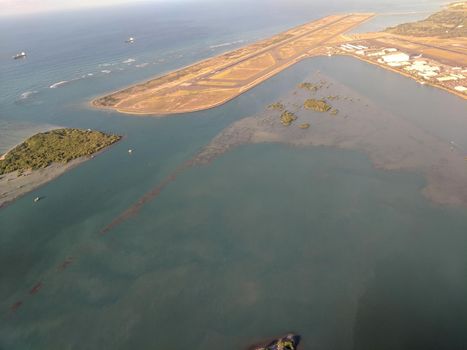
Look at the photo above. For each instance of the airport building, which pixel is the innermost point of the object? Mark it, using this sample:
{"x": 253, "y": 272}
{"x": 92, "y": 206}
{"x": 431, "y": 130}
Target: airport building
{"x": 396, "y": 57}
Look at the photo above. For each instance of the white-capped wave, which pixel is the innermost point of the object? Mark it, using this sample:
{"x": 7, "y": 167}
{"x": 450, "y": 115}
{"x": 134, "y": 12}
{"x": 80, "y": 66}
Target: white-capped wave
{"x": 90, "y": 74}
{"x": 107, "y": 64}
{"x": 142, "y": 65}
{"x": 130, "y": 60}
{"x": 226, "y": 44}
{"x": 56, "y": 85}
{"x": 27, "y": 94}
{"x": 106, "y": 71}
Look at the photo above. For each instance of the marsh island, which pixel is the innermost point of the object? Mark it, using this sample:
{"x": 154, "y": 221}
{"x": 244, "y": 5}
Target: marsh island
{"x": 45, "y": 156}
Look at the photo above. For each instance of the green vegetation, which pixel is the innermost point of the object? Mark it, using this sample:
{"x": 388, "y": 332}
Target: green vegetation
{"x": 107, "y": 101}
{"x": 309, "y": 86}
{"x": 317, "y": 105}
{"x": 304, "y": 126}
{"x": 56, "y": 146}
{"x": 276, "y": 106}
{"x": 449, "y": 23}
{"x": 287, "y": 118}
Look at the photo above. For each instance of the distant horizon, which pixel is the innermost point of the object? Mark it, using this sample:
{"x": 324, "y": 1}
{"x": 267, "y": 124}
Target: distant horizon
{"x": 28, "y": 7}
{"x": 15, "y": 8}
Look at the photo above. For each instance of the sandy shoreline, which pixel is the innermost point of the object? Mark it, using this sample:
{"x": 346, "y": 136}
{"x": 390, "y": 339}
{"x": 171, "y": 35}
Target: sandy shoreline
{"x": 13, "y": 186}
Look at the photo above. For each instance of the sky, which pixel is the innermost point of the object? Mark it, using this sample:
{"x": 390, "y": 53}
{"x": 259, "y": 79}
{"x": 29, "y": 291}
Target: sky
{"x": 16, "y": 7}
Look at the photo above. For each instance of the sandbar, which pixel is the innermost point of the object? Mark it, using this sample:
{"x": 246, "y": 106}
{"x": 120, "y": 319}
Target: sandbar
{"x": 14, "y": 185}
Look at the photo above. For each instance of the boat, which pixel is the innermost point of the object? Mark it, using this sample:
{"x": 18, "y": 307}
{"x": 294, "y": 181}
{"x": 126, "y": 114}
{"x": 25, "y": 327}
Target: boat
{"x": 130, "y": 40}
{"x": 130, "y": 151}
{"x": 19, "y": 55}
{"x": 37, "y": 199}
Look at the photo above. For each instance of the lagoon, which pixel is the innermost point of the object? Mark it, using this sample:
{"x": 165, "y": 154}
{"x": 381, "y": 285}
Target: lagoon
{"x": 266, "y": 239}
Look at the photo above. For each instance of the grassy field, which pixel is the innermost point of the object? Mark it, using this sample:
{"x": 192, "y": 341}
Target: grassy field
{"x": 55, "y": 146}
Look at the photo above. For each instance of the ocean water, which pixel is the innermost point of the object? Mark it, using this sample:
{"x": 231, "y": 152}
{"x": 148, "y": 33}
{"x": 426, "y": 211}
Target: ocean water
{"x": 267, "y": 239}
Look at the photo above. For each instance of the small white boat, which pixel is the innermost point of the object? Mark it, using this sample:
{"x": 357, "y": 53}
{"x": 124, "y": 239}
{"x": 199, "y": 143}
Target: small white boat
{"x": 37, "y": 199}
{"x": 19, "y": 55}
{"x": 130, "y": 151}
{"x": 130, "y": 40}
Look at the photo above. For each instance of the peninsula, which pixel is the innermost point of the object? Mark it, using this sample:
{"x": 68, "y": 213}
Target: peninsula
{"x": 217, "y": 80}
{"x": 432, "y": 51}
{"x": 45, "y": 156}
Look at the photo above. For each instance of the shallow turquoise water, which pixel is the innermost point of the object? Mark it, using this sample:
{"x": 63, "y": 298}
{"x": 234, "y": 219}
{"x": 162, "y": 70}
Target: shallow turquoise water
{"x": 264, "y": 240}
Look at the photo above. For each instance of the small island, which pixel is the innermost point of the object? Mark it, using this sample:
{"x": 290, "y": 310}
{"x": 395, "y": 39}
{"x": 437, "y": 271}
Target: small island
{"x": 276, "y": 106}
{"x": 287, "y": 118}
{"x": 310, "y": 86}
{"x": 45, "y": 156}
{"x": 317, "y": 105}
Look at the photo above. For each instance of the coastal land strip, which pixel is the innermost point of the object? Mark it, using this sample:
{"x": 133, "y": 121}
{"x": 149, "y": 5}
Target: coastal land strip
{"x": 214, "y": 81}
{"x": 438, "y": 59}
{"x": 432, "y": 51}
{"x": 45, "y": 156}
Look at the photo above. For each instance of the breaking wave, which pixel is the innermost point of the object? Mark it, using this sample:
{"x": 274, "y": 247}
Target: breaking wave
{"x": 106, "y": 71}
{"x": 107, "y": 64}
{"x": 60, "y": 83}
{"x": 25, "y": 95}
{"x": 130, "y": 60}
{"x": 226, "y": 44}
